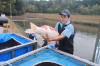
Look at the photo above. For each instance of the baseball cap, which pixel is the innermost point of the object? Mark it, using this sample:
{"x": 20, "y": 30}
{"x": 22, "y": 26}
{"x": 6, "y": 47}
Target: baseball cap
{"x": 65, "y": 12}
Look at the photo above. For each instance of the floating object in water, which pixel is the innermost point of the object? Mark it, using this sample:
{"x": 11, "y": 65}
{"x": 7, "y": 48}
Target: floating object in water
{"x": 43, "y": 30}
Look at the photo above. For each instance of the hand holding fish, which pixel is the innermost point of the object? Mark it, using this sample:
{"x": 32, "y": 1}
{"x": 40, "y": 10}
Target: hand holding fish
{"x": 47, "y": 31}
{"x": 47, "y": 38}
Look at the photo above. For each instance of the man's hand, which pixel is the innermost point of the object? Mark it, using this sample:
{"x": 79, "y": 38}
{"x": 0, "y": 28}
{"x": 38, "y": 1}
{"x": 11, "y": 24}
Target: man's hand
{"x": 46, "y": 37}
{"x": 60, "y": 37}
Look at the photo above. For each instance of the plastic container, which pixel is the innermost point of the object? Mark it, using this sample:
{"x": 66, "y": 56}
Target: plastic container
{"x": 8, "y": 44}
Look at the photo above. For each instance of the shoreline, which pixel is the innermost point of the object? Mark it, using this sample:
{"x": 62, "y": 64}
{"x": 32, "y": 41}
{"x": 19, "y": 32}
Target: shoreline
{"x": 75, "y": 19}
{"x": 86, "y": 24}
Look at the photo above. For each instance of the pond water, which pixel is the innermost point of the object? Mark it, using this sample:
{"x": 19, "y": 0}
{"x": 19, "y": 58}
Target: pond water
{"x": 84, "y": 44}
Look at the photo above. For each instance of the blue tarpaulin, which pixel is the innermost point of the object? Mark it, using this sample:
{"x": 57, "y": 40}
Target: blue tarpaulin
{"x": 8, "y": 40}
{"x": 48, "y": 55}
{"x": 6, "y": 36}
{"x": 19, "y": 39}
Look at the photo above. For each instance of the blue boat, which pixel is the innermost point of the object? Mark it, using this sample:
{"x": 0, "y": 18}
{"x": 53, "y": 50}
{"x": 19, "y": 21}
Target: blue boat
{"x": 13, "y": 45}
{"x": 47, "y": 56}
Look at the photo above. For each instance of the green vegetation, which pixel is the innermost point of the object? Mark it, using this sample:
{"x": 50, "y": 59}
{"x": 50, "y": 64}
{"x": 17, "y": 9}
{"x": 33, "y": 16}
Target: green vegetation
{"x": 21, "y": 29}
{"x": 55, "y": 6}
{"x": 19, "y": 7}
{"x": 87, "y": 29}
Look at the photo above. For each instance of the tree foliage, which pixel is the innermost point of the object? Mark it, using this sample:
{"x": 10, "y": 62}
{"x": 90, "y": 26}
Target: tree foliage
{"x": 19, "y": 7}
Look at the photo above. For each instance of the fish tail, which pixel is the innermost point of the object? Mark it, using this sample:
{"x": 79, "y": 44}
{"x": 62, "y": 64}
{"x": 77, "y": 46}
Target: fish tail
{"x": 33, "y": 27}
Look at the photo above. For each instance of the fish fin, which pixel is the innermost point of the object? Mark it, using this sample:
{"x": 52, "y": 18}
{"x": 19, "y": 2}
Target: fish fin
{"x": 28, "y": 31}
{"x": 33, "y": 27}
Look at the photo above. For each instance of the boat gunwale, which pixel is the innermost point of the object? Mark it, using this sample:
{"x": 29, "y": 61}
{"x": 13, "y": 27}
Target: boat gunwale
{"x": 47, "y": 47}
{"x": 19, "y": 46}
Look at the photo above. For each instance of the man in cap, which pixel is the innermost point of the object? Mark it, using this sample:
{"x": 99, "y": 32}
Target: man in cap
{"x": 66, "y": 31}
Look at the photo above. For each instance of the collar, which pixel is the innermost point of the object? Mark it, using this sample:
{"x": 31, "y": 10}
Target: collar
{"x": 68, "y": 22}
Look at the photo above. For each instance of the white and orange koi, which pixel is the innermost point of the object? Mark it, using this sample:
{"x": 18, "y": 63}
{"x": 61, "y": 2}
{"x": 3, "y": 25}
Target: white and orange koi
{"x": 43, "y": 30}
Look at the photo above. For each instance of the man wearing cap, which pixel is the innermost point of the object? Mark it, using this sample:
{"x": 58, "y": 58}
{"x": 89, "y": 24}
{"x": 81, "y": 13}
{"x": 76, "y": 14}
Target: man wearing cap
{"x": 66, "y": 31}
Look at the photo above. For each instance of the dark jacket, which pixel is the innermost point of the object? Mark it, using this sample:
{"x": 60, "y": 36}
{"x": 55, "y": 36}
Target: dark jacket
{"x": 66, "y": 44}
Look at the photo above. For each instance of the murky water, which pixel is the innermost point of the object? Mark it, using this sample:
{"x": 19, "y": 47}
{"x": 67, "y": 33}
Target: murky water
{"x": 84, "y": 44}
{"x": 84, "y": 41}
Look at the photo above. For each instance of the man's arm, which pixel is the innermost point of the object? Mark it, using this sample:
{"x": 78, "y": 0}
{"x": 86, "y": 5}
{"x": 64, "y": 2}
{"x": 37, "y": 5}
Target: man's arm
{"x": 56, "y": 38}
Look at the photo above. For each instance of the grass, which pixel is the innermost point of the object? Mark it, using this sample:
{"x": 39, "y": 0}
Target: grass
{"x": 51, "y": 20}
{"x": 21, "y": 30}
{"x": 88, "y": 29}
{"x": 74, "y": 18}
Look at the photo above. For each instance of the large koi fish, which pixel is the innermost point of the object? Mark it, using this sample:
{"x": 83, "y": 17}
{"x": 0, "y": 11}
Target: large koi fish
{"x": 43, "y": 30}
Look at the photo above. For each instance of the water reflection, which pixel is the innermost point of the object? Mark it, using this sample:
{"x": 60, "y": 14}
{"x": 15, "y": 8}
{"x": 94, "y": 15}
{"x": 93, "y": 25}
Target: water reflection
{"x": 84, "y": 45}
{"x": 86, "y": 28}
